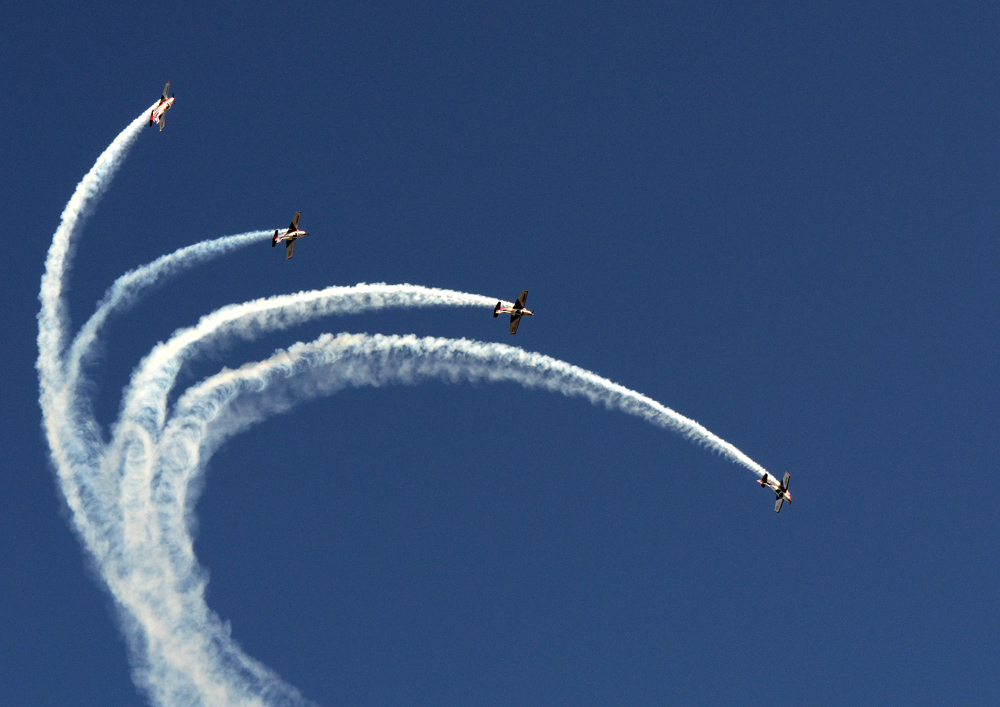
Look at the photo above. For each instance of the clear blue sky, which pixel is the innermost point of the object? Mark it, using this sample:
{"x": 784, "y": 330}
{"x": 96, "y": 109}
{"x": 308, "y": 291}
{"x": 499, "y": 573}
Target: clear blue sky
{"x": 779, "y": 220}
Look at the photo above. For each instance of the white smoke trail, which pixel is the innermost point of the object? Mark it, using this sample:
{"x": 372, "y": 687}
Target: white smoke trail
{"x": 232, "y": 400}
{"x": 362, "y": 360}
{"x": 52, "y": 318}
{"x": 145, "y": 399}
{"x": 161, "y": 498}
{"x": 160, "y": 555}
{"x": 151, "y": 383}
{"x": 176, "y": 657}
{"x": 77, "y": 455}
{"x": 70, "y": 397}
{"x": 144, "y": 411}
{"x": 132, "y": 497}
{"x": 127, "y": 288}
{"x": 76, "y": 450}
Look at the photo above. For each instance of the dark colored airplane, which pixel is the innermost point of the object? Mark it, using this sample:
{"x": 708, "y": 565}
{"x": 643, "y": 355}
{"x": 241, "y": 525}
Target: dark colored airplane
{"x": 515, "y": 312}
{"x": 289, "y": 236}
{"x": 780, "y": 490}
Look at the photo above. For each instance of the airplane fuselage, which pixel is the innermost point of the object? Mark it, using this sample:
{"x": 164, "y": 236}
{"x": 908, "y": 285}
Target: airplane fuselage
{"x": 512, "y": 310}
{"x": 160, "y": 109}
{"x": 776, "y": 487}
{"x": 289, "y": 236}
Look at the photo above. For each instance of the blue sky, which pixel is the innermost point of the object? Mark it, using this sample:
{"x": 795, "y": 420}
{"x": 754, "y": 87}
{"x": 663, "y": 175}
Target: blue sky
{"x": 779, "y": 220}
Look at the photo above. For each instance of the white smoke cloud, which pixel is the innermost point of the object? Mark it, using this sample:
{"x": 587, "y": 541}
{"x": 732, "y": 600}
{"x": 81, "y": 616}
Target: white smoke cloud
{"x": 132, "y": 495}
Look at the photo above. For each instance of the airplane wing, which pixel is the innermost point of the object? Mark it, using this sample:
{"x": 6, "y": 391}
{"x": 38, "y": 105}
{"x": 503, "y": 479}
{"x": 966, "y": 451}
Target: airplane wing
{"x": 520, "y": 300}
{"x": 295, "y": 222}
{"x": 166, "y": 91}
{"x": 163, "y": 120}
{"x": 784, "y": 482}
{"x": 289, "y": 247}
{"x": 515, "y": 319}
{"x": 777, "y": 504}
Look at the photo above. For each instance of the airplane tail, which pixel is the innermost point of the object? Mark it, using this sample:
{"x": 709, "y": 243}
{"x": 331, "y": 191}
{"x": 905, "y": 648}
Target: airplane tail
{"x": 496, "y": 310}
{"x": 274, "y": 239}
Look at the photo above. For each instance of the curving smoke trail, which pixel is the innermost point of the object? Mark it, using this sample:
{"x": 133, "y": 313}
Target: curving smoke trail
{"x": 77, "y": 452}
{"x": 331, "y": 363}
{"x": 69, "y": 397}
{"x": 52, "y": 318}
{"x": 129, "y": 287}
{"x": 145, "y": 399}
{"x": 132, "y": 496}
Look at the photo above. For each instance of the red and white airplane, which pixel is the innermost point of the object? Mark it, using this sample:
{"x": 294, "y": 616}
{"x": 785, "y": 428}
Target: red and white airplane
{"x": 157, "y": 116}
{"x": 515, "y": 312}
{"x": 780, "y": 490}
{"x": 289, "y": 236}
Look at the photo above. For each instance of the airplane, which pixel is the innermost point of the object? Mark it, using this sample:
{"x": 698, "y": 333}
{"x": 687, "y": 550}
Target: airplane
{"x": 157, "y": 116}
{"x": 515, "y": 312}
{"x": 289, "y": 236}
{"x": 781, "y": 491}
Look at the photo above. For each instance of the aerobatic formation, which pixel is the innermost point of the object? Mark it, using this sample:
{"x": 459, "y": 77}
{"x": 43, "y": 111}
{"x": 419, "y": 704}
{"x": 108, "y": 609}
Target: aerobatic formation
{"x": 131, "y": 490}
